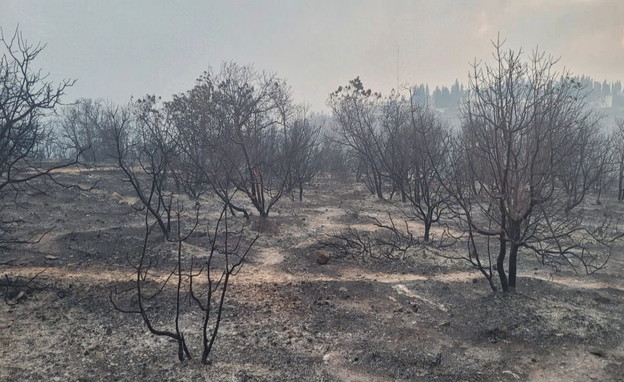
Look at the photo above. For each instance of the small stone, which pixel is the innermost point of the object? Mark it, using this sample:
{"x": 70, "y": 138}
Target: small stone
{"x": 598, "y": 352}
{"x": 333, "y": 358}
{"x": 242, "y": 376}
{"x": 509, "y": 372}
{"x": 602, "y": 300}
{"x": 322, "y": 258}
{"x": 50, "y": 257}
{"x": 20, "y": 296}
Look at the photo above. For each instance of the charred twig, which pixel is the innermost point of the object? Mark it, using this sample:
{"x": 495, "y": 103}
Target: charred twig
{"x": 18, "y": 286}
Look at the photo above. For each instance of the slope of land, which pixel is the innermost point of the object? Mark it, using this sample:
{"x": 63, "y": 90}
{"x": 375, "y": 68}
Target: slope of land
{"x": 289, "y": 318}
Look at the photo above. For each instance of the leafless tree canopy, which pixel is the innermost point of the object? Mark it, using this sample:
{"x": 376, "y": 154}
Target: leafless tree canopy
{"x": 26, "y": 98}
{"x": 86, "y": 127}
{"x": 416, "y": 151}
{"x": 356, "y": 111}
{"x": 240, "y": 132}
{"x": 526, "y": 156}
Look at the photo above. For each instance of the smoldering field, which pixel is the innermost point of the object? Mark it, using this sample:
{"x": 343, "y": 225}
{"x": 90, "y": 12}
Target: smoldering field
{"x": 287, "y": 317}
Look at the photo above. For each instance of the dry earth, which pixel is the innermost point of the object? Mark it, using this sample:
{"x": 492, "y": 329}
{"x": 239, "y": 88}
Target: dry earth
{"x": 288, "y": 318}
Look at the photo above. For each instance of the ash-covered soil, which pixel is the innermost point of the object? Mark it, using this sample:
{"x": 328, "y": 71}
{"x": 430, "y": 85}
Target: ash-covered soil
{"x": 288, "y": 317}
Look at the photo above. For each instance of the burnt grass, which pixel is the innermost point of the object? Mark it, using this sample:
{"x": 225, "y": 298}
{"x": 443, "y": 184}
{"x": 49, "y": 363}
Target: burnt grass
{"x": 290, "y": 316}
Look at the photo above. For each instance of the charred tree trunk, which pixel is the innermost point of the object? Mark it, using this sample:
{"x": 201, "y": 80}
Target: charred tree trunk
{"x": 428, "y": 224}
{"x": 513, "y": 266}
{"x": 500, "y": 264}
{"x": 378, "y": 184}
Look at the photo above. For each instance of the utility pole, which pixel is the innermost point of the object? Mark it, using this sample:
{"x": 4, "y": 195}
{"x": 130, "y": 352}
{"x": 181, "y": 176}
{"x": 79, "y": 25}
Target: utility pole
{"x": 398, "y": 53}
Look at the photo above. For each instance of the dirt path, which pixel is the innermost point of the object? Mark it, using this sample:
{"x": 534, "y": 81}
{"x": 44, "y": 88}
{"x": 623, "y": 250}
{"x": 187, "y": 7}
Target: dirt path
{"x": 267, "y": 269}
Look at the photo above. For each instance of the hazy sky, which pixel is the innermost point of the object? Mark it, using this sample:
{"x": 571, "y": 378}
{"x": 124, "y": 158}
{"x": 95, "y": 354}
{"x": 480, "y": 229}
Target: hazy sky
{"x": 118, "y": 49}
